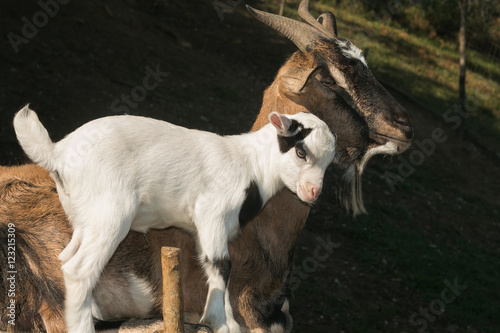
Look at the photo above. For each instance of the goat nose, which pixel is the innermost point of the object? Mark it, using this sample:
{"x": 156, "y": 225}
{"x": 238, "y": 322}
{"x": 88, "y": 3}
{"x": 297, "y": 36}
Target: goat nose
{"x": 313, "y": 190}
{"x": 403, "y": 121}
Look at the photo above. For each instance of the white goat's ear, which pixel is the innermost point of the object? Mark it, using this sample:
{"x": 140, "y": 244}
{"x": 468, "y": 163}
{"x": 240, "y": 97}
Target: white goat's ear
{"x": 294, "y": 80}
{"x": 280, "y": 122}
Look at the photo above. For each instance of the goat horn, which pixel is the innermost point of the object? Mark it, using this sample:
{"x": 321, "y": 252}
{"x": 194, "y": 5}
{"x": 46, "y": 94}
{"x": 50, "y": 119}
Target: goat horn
{"x": 299, "y": 33}
{"x": 304, "y": 13}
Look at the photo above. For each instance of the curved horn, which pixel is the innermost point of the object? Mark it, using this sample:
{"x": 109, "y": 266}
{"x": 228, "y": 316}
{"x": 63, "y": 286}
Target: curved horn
{"x": 299, "y": 33}
{"x": 304, "y": 13}
{"x": 328, "y": 21}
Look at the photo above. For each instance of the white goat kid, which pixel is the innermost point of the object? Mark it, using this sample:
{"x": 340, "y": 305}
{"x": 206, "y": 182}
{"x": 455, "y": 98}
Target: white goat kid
{"x": 120, "y": 173}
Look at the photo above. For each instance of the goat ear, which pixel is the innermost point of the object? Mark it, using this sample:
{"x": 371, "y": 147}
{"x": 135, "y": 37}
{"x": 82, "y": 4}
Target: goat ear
{"x": 365, "y": 53}
{"x": 294, "y": 80}
{"x": 280, "y": 122}
{"x": 328, "y": 21}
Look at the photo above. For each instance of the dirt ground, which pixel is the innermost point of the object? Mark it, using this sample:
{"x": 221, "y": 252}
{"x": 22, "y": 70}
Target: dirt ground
{"x": 96, "y": 58}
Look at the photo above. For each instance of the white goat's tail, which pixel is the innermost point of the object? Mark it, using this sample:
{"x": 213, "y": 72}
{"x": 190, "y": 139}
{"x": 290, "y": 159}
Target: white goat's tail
{"x": 34, "y": 138}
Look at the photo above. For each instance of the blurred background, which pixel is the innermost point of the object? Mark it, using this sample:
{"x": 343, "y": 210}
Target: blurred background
{"x": 426, "y": 258}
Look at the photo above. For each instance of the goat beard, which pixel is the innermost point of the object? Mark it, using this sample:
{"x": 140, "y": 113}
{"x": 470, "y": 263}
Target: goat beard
{"x": 350, "y": 191}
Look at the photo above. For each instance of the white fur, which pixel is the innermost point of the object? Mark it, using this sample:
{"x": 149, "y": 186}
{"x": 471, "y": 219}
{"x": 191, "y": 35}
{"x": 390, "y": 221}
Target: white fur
{"x": 141, "y": 294}
{"x": 389, "y": 148}
{"x": 126, "y": 296}
{"x": 120, "y": 173}
{"x": 351, "y": 51}
{"x": 358, "y": 206}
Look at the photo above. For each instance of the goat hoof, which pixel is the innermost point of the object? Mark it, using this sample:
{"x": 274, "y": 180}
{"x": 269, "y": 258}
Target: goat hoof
{"x": 216, "y": 328}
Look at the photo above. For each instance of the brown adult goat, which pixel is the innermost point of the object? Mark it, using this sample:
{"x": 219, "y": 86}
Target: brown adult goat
{"x": 327, "y": 77}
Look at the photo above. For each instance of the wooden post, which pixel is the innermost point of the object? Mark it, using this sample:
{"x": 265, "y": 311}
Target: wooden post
{"x": 173, "y": 304}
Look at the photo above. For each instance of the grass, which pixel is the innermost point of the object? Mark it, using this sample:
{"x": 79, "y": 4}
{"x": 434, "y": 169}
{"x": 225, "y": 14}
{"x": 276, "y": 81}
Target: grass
{"x": 391, "y": 245}
{"x": 469, "y": 264}
{"x": 403, "y": 251}
{"x": 423, "y": 67}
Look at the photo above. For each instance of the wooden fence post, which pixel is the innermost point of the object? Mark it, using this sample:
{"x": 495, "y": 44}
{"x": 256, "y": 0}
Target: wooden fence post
{"x": 173, "y": 304}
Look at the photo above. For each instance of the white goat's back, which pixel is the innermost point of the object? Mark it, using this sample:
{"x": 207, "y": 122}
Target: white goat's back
{"x": 167, "y": 167}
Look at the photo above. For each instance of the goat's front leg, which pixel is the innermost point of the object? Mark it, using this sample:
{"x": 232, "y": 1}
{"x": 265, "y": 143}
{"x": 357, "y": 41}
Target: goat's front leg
{"x": 218, "y": 313}
{"x": 234, "y": 327}
{"x": 214, "y": 314}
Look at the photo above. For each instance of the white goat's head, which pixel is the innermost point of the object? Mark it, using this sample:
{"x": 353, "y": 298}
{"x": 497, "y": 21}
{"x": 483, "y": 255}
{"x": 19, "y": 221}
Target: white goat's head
{"x": 306, "y": 147}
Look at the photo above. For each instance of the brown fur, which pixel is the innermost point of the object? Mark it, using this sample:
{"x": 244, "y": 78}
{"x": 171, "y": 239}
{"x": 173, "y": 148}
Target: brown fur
{"x": 383, "y": 114}
{"x": 350, "y": 129}
{"x": 28, "y": 199}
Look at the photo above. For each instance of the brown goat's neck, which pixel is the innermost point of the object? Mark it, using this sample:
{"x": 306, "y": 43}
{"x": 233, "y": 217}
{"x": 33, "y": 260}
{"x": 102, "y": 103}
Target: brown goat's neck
{"x": 275, "y": 101}
{"x": 275, "y": 231}
{"x": 279, "y": 224}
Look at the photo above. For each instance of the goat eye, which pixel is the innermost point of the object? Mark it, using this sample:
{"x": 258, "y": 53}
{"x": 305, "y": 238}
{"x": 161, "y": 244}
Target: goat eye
{"x": 328, "y": 81}
{"x": 300, "y": 153}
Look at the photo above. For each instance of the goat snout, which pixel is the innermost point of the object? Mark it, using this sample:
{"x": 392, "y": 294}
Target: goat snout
{"x": 309, "y": 192}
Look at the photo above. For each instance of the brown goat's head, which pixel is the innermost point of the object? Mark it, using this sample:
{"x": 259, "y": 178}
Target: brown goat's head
{"x": 330, "y": 77}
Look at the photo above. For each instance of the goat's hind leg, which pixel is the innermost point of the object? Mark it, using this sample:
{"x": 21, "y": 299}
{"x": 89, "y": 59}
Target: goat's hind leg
{"x": 104, "y": 227}
{"x": 72, "y": 247}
